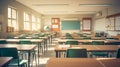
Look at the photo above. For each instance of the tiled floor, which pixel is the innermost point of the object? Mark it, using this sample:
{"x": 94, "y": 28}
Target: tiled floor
{"x": 45, "y": 57}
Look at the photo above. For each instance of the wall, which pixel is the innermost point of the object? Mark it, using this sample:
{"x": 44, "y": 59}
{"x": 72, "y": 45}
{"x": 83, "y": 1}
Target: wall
{"x": 100, "y": 25}
{"x": 21, "y": 8}
{"x": 47, "y": 20}
{"x": 101, "y": 20}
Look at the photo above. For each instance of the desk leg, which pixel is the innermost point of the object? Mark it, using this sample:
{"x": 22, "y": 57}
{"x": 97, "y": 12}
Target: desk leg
{"x": 46, "y": 44}
{"x": 51, "y": 39}
{"x": 28, "y": 58}
{"x": 38, "y": 51}
{"x": 57, "y": 54}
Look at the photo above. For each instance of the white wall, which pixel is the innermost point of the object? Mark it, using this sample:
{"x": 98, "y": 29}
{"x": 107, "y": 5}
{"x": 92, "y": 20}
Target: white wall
{"x": 47, "y": 20}
{"x": 100, "y": 25}
{"x": 100, "y": 21}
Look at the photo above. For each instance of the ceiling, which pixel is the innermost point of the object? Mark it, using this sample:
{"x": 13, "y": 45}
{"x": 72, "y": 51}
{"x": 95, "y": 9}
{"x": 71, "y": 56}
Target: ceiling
{"x": 69, "y": 6}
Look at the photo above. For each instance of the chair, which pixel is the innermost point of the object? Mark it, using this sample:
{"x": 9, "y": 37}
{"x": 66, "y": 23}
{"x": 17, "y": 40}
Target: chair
{"x": 98, "y": 43}
{"x": 10, "y": 37}
{"x": 24, "y": 52}
{"x": 76, "y": 53}
{"x": 13, "y": 52}
{"x": 118, "y": 53}
{"x": 25, "y": 42}
{"x": 3, "y": 42}
{"x": 97, "y": 35}
{"x": 69, "y": 38}
{"x": 86, "y": 38}
{"x": 72, "y": 42}
{"x": 99, "y": 53}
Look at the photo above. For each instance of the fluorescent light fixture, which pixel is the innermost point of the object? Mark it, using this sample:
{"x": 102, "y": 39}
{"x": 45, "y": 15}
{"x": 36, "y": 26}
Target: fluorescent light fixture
{"x": 95, "y": 4}
{"x": 50, "y": 4}
{"x": 85, "y": 11}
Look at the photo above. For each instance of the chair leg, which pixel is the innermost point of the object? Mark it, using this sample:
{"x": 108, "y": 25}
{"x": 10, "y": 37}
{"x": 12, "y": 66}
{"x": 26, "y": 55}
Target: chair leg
{"x": 34, "y": 58}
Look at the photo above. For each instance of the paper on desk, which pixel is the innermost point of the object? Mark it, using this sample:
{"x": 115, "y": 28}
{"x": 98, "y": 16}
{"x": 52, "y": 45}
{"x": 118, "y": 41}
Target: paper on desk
{"x": 64, "y": 46}
{"x": 75, "y": 47}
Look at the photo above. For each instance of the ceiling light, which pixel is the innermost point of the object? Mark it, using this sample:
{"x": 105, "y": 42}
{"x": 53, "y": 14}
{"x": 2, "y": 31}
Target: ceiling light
{"x": 85, "y": 11}
{"x": 95, "y": 4}
{"x": 50, "y": 4}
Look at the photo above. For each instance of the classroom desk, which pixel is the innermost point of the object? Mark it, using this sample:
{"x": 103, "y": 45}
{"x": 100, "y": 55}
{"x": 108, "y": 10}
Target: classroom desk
{"x": 86, "y": 41}
{"x": 4, "y": 61}
{"x": 83, "y": 62}
{"x": 46, "y": 39}
{"x": 38, "y": 41}
{"x": 24, "y": 47}
{"x": 80, "y": 38}
{"x": 90, "y": 48}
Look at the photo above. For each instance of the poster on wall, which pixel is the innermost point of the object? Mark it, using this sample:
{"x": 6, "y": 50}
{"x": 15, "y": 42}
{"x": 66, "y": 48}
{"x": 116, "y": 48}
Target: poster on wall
{"x": 55, "y": 26}
{"x": 86, "y": 24}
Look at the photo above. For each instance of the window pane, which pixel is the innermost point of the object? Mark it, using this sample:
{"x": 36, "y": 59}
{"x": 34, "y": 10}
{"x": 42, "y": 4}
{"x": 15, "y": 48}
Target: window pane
{"x": 33, "y": 19}
{"x": 9, "y": 23}
{"x": 26, "y": 26}
{"x": 14, "y": 14}
{"x": 12, "y": 18}
{"x": 9, "y": 12}
{"x": 26, "y": 17}
{"x": 38, "y": 26}
{"x": 14, "y": 24}
{"x": 34, "y": 27}
{"x": 26, "y": 21}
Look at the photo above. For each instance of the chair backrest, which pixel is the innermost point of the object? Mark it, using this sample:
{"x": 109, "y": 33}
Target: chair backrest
{"x": 97, "y": 35}
{"x": 76, "y": 53}
{"x": 86, "y": 38}
{"x": 25, "y": 42}
{"x": 9, "y": 52}
{"x": 118, "y": 53}
{"x": 10, "y": 37}
{"x": 98, "y": 42}
{"x": 69, "y": 38}
{"x": 71, "y": 42}
{"x": 3, "y": 42}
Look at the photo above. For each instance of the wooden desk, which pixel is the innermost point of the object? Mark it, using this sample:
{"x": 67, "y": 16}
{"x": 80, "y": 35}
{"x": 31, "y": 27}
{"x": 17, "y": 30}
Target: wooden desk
{"x": 46, "y": 39}
{"x": 86, "y": 41}
{"x": 80, "y": 38}
{"x": 27, "y": 48}
{"x": 90, "y": 48}
{"x": 4, "y": 61}
{"x": 38, "y": 41}
{"x": 83, "y": 62}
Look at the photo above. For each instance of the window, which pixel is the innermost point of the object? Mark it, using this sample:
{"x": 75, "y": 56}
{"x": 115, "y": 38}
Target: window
{"x": 113, "y": 23}
{"x": 12, "y": 18}
{"x": 26, "y": 21}
{"x": 38, "y": 24}
{"x": 34, "y": 23}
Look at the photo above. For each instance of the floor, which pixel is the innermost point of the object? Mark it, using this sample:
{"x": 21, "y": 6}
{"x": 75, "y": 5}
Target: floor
{"x": 48, "y": 54}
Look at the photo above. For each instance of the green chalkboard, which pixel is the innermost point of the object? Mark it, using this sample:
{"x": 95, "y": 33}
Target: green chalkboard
{"x": 70, "y": 25}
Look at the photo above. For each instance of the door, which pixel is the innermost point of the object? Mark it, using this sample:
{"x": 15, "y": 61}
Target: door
{"x": 55, "y": 24}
